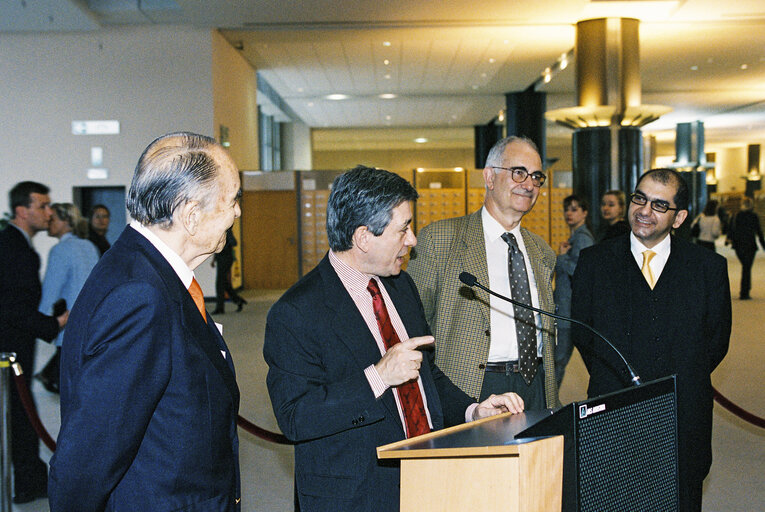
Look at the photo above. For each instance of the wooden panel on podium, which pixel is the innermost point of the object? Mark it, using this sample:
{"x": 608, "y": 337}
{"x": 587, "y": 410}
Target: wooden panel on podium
{"x": 480, "y": 466}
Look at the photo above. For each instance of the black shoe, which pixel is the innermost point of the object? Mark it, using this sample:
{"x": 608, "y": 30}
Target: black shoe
{"x": 240, "y": 304}
{"x": 26, "y": 496}
{"x": 745, "y": 297}
{"x": 218, "y": 311}
{"x": 47, "y": 383}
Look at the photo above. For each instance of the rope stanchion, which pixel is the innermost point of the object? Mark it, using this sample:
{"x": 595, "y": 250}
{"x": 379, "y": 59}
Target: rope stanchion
{"x": 262, "y": 433}
{"x": 738, "y": 411}
{"x": 31, "y": 410}
{"x": 34, "y": 419}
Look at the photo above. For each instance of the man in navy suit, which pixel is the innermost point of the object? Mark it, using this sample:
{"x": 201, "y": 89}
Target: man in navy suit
{"x": 148, "y": 395}
{"x": 21, "y": 323}
{"x": 665, "y": 304}
{"x": 341, "y": 381}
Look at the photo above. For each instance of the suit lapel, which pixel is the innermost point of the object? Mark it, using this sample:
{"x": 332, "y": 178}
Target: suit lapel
{"x": 474, "y": 255}
{"x": 350, "y": 328}
{"x": 191, "y": 320}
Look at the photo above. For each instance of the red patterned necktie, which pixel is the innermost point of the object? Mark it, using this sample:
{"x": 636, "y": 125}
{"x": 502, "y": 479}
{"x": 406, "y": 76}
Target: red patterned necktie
{"x": 199, "y": 299}
{"x": 408, "y": 393}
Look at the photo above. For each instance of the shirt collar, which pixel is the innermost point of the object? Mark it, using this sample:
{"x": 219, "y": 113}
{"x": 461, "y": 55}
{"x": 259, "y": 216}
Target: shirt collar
{"x": 185, "y": 274}
{"x": 661, "y": 249}
{"x": 493, "y": 230}
{"x": 354, "y": 280}
{"x": 26, "y": 236}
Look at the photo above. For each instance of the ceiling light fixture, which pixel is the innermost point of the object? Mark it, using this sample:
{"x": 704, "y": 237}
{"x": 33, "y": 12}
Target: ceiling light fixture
{"x": 421, "y": 140}
{"x": 386, "y": 43}
{"x": 492, "y": 60}
{"x": 386, "y": 62}
{"x": 546, "y": 76}
{"x": 387, "y": 77}
{"x": 336, "y": 97}
{"x": 388, "y": 96}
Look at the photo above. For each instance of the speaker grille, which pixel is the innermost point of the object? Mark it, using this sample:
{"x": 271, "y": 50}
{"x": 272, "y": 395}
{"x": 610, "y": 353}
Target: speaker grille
{"x": 623, "y": 473}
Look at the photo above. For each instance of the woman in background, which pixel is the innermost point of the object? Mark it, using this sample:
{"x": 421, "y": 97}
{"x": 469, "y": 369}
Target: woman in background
{"x": 709, "y": 225}
{"x": 69, "y": 264}
{"x": 612, "y": 209}
{"x": 575, "y": 211}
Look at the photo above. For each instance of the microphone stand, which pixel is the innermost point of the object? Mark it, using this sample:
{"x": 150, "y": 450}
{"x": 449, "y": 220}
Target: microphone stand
{"x": 470, "y": 280}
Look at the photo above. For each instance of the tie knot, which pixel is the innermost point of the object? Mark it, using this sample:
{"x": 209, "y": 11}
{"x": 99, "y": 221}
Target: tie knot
{"x": 648, "y": 256}
{"x": 510, "y": 240}
{"x": 373, "y": 288}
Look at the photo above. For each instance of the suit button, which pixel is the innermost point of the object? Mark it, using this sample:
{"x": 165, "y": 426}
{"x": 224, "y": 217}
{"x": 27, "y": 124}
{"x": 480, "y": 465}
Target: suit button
{"x": 481, "y": 366}
{"x": 361, "y": 419}
{"x": 487, "y": 332}
{"x": 355, "y": 422}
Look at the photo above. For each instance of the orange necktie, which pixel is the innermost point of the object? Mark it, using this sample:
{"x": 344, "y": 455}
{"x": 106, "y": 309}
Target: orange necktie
{"x": 199, "y": 299}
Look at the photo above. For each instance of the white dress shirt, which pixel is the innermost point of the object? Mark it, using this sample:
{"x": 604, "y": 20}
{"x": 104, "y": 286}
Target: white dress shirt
{"x": 659, "y": 261}
{"x": 504, "y": 340}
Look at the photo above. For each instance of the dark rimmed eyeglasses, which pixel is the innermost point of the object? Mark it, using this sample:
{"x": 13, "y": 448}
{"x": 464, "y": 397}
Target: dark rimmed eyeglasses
{"x": 519, "y": 175}
{"x": 657, "y": 205}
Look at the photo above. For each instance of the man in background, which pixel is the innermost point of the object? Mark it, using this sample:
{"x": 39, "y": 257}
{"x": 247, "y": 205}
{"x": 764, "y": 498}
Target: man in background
{"x": 484, "y": 344}
{"x": 149, "y": 399}
{"x": 21, "y": 323}
{"x": 350, "y": 362}
{"x": 665, "y": 304}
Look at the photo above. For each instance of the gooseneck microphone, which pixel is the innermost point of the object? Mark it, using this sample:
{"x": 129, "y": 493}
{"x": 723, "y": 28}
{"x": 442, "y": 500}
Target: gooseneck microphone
{"x": 470, "y": 280}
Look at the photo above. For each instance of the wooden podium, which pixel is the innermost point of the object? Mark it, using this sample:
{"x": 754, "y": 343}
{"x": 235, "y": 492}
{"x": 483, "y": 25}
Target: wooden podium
{"x": 480, "y": 466}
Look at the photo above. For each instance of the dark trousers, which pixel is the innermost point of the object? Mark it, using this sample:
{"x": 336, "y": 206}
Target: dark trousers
{"x": 563, "y": 350}
{"x": 747, "y": 260}
{"x": 223, "y": 285}
{"x": 533, "y": 394}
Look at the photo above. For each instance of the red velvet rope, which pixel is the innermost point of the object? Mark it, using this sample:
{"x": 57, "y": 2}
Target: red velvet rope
{"x": 34, "y": 419}
{"x": 277, "y": 438}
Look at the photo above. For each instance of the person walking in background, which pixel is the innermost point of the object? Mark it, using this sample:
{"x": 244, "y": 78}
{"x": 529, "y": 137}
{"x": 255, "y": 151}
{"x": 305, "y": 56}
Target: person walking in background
{"x": 21, "y": 323}
{"x": 223, "y": 261}
{"x": 743, "y": 230}
{"x": 99, "y": 225}
{"x": 612, "y": 209}
{"x": 707, "y": 226}
{"x": 69, "y": 264}
{"x": 575, "y": 210}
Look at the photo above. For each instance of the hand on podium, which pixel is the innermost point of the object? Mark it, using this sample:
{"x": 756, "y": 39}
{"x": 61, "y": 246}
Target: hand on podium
{"x": 498, "y": 404}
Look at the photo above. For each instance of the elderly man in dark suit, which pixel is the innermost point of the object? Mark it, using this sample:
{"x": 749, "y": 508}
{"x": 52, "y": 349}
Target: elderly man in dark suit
{"x": 350, "y": 354}
{"x": 148, "y": 395}
{"x": 665, "y": 303}
{"x": 21, "y": 323}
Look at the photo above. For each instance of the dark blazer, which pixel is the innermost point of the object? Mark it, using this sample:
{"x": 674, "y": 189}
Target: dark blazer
{"x": 317, "y": 347}
{"x": 680, "y": 327}
{"x": 148, "y": 402}
{"x": 20, "y": 291}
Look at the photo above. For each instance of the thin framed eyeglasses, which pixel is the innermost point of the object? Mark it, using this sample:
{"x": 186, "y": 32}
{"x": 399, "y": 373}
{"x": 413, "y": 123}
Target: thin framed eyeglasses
{"x": 520, "y": 173}
{"x": 657, "y": 205}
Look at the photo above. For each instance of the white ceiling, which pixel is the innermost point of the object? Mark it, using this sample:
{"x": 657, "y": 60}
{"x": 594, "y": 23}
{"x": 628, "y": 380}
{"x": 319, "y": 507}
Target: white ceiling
{"x": 451, "y": 62}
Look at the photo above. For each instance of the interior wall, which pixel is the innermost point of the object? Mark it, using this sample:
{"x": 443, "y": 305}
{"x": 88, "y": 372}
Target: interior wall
{"x": 296, "y": 146}
{"x": 730, "y": 169}
{"x": 152, "y": 79}
{"x": 234, "y": 83}
{"x": 395, "y": 159}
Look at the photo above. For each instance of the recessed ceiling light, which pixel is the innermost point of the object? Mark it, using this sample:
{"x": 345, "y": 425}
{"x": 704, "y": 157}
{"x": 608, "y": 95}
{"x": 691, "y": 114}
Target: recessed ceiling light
{"x": 421, "y": 140}
{"x": 386, "y": 62}
{"x": 387, "y": 118}
{"x": 387, "y": 77}
{"x": 744, "y": 66}
{"x": 492, "y": 60}
{"x": 386, "y": 43}
{"x": 694, "y": 68}
{"x": 336, "y": 97}
{"x": 387, "y": 96}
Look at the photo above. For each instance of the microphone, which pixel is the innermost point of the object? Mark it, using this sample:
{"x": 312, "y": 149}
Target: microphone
{"x": 470, "y": 280}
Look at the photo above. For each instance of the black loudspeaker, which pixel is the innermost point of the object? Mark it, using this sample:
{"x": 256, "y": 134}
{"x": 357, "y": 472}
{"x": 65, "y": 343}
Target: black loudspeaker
{"x": 620, "y": 449}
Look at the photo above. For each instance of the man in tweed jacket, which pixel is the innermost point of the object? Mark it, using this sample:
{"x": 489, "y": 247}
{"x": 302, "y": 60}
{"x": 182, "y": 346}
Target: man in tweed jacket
{"x": 475, "y": 334}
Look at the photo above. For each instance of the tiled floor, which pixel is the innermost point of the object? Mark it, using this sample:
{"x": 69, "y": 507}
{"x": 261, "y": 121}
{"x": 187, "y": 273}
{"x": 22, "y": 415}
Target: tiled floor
{"x": 735, "y": 484}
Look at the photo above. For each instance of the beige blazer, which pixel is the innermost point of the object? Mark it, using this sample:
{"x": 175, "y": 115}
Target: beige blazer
{"x": 458, "y": 315}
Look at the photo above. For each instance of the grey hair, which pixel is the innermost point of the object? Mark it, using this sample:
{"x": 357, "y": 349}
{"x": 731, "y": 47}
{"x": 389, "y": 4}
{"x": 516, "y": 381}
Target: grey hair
{"x": 174, "y": 169}
{"x": 494, "y": 157}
